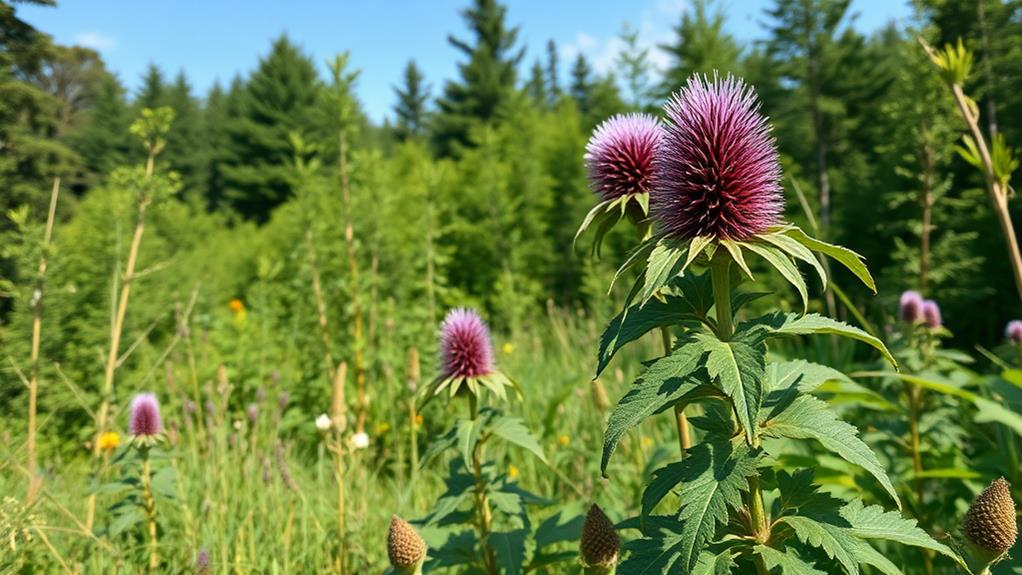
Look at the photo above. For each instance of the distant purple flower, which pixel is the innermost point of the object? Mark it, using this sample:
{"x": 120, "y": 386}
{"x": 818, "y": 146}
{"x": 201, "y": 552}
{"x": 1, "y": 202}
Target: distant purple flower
{"x": 717, "y": 172}
{"x": 910, "y": 307}
{"x": 465, "y": 346}
{"x": 260, "y": 394}
{"x": 145, "y": 415}
{"x": 190, "y": 406}
{"x": 252, "y": 412}
{"x": 202, "y": 562}
{"x": 1014, "y": 331}
{"x": 283, "y": 399}
{"x": 931, "y": 314}
{"x": 620, "y": 153}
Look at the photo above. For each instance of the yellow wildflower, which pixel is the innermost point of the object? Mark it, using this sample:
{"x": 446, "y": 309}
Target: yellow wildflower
{"x": 418, "y": 420}
{"x": 236, "y": 305}
{"x": 512, "y": 471}
{"x": 564, "y": 440}
{"x": 507, "y": 348}
{"x": 382, "y": 428}
{"x": 109, "y": 441}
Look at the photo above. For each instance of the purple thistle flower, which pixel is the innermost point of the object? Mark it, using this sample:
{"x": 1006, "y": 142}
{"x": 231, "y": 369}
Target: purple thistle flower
{"x": 465, "y": 346}
{"x": 931, "y": 314}
{"x": 145, "y": 415}
{"x": 202, "y": 562}
{"x": 620, "y": 154}
{"x": 910, "y": 307}
{"x": 717, "y": 172}
{"x": 252, "y": 412}
{"x": 1013, "y": 331}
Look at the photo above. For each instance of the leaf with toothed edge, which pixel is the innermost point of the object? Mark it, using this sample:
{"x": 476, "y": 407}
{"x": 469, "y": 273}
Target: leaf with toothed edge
{"x": 846, "y": 257}
{"x": 807, "y": 324}
{"x": 737, "y": 366}
{"x": 785, "y": 266}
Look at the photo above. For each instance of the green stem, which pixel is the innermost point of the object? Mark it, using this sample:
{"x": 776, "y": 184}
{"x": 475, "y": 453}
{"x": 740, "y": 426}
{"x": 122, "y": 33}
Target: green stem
{"x": 149, "y": 503}
{"x": 612, "y": 570}
{"x": 720, "y": 274}
{"x": 482, "y": 504}
{"x": 681, "y": 422}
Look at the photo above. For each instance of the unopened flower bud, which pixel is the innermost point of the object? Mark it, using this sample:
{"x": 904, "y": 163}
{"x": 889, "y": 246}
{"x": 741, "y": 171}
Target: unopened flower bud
{"x": 990, "y": 525}
{"x": 405, "y": 547}
{"x": 600, "y": 543}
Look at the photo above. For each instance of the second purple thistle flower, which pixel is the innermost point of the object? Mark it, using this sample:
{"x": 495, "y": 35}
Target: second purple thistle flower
{"x": 717, "y": 172}
{"x": 619, "y": 156}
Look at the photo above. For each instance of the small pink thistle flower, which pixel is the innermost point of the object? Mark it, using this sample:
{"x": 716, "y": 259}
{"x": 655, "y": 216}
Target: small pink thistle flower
{"x": 465, "y": 346}
{"x": 717, "y": 172}
{"x": 145, "y": 415}
{"x": 1013, "y": 331}
{"x": 620, "y": 154}
{"x": 910, "y": 307}
{"x": 931, "y": 314}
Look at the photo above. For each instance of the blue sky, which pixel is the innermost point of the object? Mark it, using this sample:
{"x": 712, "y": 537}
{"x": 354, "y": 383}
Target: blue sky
{"x": 216, "y": 39}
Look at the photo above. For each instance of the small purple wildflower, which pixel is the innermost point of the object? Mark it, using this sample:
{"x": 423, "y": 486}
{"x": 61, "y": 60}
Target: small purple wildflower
{"x": 717, "y": 171}
{"x": 465, "y": 346}
{"x": 202, "y": 562}
{"x": 145, "y": 415}
{"x": 252, "y": 412}
{"x": 283, "y": 399}
{"x": 620, "y": 154}
{"x": 260, "y": 394}
{"x": 931, "y": 314}
{"x": 910, "y": 307}
{"x": 1013, "y": 331}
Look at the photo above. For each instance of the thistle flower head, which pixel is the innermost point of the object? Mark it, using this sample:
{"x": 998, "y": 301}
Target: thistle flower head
{"x": 202, "y": 562}
{"x": 910, "y": 307}
{"x": 465, "y": 346}
{"x": 619, "y": 155}
{"x": 405, "y": 546}
{"x": 600, "y": 543}
{"x": 990, "y": 524}
{"x": 1013, "y": 331}
{"x": 252, "y": 412}
{"x": 145, "y": 415}
{"x": 717, "y": 172}
{"x": 931, "y": 314}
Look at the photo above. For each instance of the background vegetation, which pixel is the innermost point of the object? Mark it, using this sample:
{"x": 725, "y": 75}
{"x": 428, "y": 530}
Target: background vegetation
{"x": 287, "y": 234}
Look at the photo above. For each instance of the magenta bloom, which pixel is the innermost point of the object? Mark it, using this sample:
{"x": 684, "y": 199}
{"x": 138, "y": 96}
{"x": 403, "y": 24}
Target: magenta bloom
{"x": 717, "y": 172}
{"x": 465, "y": 346}
{"x": 145, "y": 415}
{"x": 1014, "y": 331}
{"x": 931, "y": 314}
{"x": 910, "y": 308}
{"x": 620, "y": 153}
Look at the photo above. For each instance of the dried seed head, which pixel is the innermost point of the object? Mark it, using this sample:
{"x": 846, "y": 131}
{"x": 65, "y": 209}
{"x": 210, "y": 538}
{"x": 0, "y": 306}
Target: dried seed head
{"x": 990, "y": 523}
{"x": 600, "y": 543}
{"x": 404, "y": 545}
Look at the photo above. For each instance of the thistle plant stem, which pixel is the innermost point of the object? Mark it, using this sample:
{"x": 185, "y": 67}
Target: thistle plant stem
{"x": 149, "y": 503}
{"x": 914, "y": 400}
{"x": 684, "y": 436}
{"x": 720, "y": 274}
{"x": 342, "y": 531}
{"x": 485, "y": 517}
{"x": 37, "y": 325}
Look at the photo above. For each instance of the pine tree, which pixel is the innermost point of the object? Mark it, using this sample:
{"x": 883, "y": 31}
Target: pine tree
{"x": 553, "y": 81}
{"x": 487, "y": 78}
{"x": 410, "y": 108}
{"x": 536, "y": 87}
{"x": 581, "y": 85}
{"x": 596, "y": 98}
{"x": 633, "y": 61}
{"x": 279, "y": 98}
{"x": 186, "y": 146}
{"x": 103, "y": 140}
{"x": 153, "y": 92}
{"x": 701, "y": 45}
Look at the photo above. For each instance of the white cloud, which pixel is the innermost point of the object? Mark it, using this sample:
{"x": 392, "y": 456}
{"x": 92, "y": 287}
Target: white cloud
{"x": 96, "y": 40}
{"x": 655, "y": 26}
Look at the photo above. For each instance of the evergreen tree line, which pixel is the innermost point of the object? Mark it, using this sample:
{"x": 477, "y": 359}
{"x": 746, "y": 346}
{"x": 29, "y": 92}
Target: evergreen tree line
{"x": 470, "y": 193}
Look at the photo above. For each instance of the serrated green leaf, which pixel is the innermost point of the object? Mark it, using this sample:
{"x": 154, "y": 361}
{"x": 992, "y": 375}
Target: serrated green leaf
{"x": 786, "y": 381}
{"x": 788, "y": 561}
{"x": 468, "y": 431}
{"x": 652, "y": 555}
{"x": 844, "y": 256}
{"x": 873, "y": 522}
{"x": 808, "y": 324}
{"x": 724, "y": 462}
{"x": 837, "y": 543}
{"x": 125, "y": 520}
{"x": 710, "y": 563}
{"x": 439, "y": 445}
{"x": 664, "y": 263}
{"x": 665, "y": 382}
{"x": 511, "y": 549}
{"x": 636, "y": 321}
{"x": 785, "y": 266}
{"x": 810, "y": 418}
{"x": 713, "y": 477}
{"x": 795, "y": 249}
{"x": 513, "y": 430}
{"x": 599, "y": 212}
{"x": 738, "y": 367}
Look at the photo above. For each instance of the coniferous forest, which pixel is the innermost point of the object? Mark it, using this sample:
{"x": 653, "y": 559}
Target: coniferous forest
{"x": 757, "y": 312}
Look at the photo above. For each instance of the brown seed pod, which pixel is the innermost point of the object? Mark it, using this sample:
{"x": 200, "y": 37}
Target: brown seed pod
{"x": 405, "y": 546}
{"x": 600, "y": 543}
{"x": 990, "y": 523}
